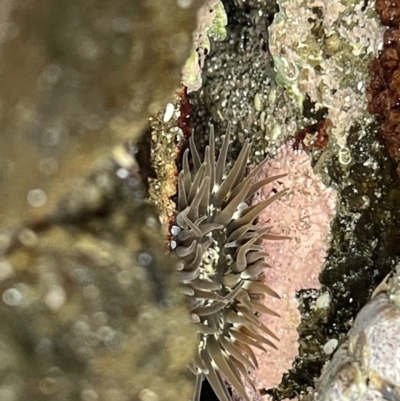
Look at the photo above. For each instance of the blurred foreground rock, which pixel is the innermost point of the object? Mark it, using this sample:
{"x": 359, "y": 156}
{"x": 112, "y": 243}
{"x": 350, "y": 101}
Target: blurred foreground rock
{"x": 76, "y": 78}
{"x": 89, "y": 307}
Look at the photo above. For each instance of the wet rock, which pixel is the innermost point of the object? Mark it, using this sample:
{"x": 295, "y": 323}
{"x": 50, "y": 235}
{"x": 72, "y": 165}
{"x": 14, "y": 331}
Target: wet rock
{"x": 76, "y": 78}
{"x": 89, "y": 306}
{"x": 365, "y": 367}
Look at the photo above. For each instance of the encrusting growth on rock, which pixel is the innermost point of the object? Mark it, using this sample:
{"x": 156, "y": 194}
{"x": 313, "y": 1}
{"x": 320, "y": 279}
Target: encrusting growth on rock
{"x": 304, "y": 214}
{"x": 383, "y": 93}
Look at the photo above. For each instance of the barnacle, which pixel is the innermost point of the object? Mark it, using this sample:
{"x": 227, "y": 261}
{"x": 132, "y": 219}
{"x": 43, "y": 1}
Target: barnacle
{"x": 219, "y": 242}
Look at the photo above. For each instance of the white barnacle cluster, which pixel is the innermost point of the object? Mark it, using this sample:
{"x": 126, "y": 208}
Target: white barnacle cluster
{"x": 331, "y": 64}
{"x": 222, "y": 271}
{"x": 165, "y": 138}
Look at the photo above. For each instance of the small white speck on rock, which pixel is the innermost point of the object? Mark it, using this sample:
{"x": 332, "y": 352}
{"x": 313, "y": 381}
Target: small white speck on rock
{"x": 330, "y": 346}
{"x": 169, "y": 112}
{"x": 323, "y": 301}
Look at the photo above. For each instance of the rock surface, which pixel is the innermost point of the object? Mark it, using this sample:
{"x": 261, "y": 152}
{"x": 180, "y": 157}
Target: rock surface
{"x": 366, "y": 367}
{"x": 89, "y": 307}
{"x": 76, "y": 78}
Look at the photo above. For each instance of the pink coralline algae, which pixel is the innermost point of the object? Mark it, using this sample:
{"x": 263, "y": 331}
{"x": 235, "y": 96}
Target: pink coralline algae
{"x": 304, "y": 214}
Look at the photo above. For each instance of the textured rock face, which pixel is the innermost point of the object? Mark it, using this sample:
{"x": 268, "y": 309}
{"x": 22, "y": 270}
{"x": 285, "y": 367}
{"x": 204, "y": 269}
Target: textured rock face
{"x": 237, "y": 89}
{"x": 89, "y": 310}
{"x": 366, "y": 367}
{"x": 320, "y": 50}
{"x": 384, "y": 91}
{"x": 211, "y": 23}
{"x": 89, "y": 307}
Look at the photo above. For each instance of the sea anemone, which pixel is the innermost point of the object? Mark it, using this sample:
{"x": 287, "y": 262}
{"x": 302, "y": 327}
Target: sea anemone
{"x": 222, "y": 262}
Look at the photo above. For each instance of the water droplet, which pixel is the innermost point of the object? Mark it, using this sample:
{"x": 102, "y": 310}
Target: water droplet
{"x": 81, "y": 327}
{"x": 100, "y": 319}
{"x": 184, "y": 3}
{"x": 89, "y": 395}
{"x": 56, "y": 298}
{"x": 28, "y": 237}
{"x": 91, "y": 292}
{"x": 12, "y": 297}
{"x": 122, "y": 173}
{"x": 91, "y": 339}
{"x": 36, "y": 197}
{"x": 145, "y": 259}
{"x": 52, "y": 73}
{"x": 151, "y": 221}
{"x": 6, "y": 269}
{"x": 88, "y": 49}
{"x": 48, "y": 386}
{"x": 148, "y": 395}
{"x": 43, "y": 346}
{"x": 105, "y": 333}
{"x": 51, "y": 136}
{"x": 82, "y": 276}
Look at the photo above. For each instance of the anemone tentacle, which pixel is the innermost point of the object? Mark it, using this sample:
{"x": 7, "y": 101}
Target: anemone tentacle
{"x": 219, "y": 242}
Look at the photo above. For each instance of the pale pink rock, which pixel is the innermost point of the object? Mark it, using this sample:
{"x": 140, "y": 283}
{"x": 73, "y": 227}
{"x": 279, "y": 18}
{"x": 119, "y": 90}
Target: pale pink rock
{"x": 304, "y": 214}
